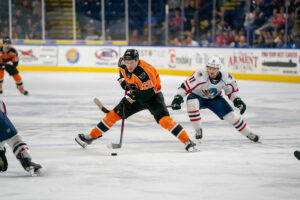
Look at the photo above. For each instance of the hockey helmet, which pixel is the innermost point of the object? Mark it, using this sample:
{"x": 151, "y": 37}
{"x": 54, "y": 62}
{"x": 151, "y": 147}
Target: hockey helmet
{"x": 214, "y": 62}
{"x": 131, "y": 54}
{"x": 6, "y": 40}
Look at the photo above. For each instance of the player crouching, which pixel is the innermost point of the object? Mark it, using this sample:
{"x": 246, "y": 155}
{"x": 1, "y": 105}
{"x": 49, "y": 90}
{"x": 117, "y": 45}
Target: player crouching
{"x": 204, "y": 90}
{"x": 9, "y": 135}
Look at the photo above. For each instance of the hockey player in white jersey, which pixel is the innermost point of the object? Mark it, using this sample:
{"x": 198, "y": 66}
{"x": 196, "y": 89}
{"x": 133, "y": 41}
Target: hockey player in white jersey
{"x": 204, "y": 90}
{"x": 9, "y": 135}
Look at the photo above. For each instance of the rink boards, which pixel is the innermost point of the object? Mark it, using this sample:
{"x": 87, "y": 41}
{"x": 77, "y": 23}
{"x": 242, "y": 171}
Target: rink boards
{"x": 244, "y": 63}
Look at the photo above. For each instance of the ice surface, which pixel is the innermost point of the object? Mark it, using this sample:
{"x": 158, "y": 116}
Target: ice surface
{"x": 152, "y": 164}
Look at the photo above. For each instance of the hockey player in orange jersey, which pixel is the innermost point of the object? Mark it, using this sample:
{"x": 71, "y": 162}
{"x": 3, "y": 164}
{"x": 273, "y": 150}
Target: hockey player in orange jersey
{"x": 144, "y": 86}
{"x": 9, "y": 61}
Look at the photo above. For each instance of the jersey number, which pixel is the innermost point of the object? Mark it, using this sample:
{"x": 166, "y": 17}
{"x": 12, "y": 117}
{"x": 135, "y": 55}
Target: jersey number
{"x": 192, "y": 79}
{"x": 147, "y": 85}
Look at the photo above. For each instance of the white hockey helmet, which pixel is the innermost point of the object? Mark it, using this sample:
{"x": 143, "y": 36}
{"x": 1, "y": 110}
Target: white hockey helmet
{"x": 214, "y": 62}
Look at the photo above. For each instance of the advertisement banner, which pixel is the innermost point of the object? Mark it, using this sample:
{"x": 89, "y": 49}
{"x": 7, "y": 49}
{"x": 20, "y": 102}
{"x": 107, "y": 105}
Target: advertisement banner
{"x": 88, "y": 56}
{"x": 37, "y": 55}
{"x": 245, "y": 61}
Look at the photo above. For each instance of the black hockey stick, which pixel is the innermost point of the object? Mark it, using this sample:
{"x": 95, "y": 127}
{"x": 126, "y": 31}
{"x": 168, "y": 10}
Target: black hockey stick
{"x": 105, "y": 110}
{"x": 119, "y": 145}
{"x": 100, "y": 105}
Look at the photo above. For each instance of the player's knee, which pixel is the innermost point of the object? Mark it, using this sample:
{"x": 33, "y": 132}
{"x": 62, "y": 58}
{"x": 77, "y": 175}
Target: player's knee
{"x": 167, "y": 122}
{"x": 111, "y": 118}
{"x": 231, "y": 117}
{"x": 192, "y": 104}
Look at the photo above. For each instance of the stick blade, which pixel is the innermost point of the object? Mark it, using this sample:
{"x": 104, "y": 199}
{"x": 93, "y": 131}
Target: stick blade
{"x": 113, "y": 146}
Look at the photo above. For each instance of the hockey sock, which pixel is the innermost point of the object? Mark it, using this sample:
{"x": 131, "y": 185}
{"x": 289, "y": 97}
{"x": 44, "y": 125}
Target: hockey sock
{"x": 106, "y": 123}
{"x": 19, "y": 147}
{"x": 18, "y": 81}
{"x": 1, "y": 77}
{"x": 194, "y": 113}
{"x": 238, "y": 123}
{"x": 175, "y": 128}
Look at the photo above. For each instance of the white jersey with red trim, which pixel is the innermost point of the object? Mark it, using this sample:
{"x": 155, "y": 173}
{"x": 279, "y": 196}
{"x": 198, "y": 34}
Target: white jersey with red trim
{"x": 200, "y": 84}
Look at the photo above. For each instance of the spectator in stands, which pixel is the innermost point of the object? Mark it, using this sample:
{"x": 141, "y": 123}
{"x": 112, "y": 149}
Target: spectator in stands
{"x": 175, "y": 42}
{"x": 296, "y": 28}
{"x": 279, "y": 19}
{"x": 192, "y": 27}
{"x": 243, "y": 43}
{"x": 235, "y": 42}
{"x": 250, "y": 18}
{"x": 260, "y": 42}
{"x": 207, "y": 40}
{"x": 153, "y": 21}
{"x": 205, "y": 27}
{"x": 20, "y": 33}
{"x": 135, "y": 38}
{"x": 92, "y": 35}
{"x": 188, "y": 41}
{"x": 176, "y": 21}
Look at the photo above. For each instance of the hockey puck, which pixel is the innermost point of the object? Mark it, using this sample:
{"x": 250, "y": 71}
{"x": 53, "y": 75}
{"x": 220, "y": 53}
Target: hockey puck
{"x": 113, "y": 154}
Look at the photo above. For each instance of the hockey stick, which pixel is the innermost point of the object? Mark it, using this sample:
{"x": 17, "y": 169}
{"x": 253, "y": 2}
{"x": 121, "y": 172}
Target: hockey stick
{"x": 119, "y": 145}
{"x": 100, "y": 105}
{"x": 105, "y": 110}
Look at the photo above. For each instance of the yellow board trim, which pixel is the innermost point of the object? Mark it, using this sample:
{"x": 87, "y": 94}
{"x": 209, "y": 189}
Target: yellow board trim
{"x": 257, "y": 77}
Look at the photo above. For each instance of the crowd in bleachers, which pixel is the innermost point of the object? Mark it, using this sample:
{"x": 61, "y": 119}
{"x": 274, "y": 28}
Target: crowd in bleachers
{"x": 263, "y": 26}
{"x": 26, "y": 19}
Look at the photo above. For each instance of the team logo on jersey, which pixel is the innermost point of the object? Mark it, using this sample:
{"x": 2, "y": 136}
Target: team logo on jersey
{"x": 72, "y": 56}
{"x": 142, "y": 76}
{"x": 210, "y": 92}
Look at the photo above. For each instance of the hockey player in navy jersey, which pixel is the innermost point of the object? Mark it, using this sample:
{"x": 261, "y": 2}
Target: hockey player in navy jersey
{"x": 204, "y": 90}
{"x": 9, "y": 135}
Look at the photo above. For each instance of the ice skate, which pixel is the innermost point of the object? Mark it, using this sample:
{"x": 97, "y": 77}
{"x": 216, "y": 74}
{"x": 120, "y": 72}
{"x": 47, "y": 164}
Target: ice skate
{"x": 84, "y": 140}
{"x": 31, "y": 167}
{"x": 1, "y": 91}
{"x": 25, "y": 92}
{"x": 191, "y": 146}
{"x": 253, "y": 137}
{"x": 3, "y": 161}
{"x": 198, "y": 134}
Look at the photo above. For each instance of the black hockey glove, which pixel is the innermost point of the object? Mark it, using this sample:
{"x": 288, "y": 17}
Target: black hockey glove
{"x": 132, "y": 86}
{"x": 176, "y": 102}
{"x": 240, "y": 105}
{"x": 121, "y": 61}
{"x": 3, "y": 161}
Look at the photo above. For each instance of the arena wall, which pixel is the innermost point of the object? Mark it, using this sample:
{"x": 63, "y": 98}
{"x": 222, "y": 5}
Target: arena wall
{"x": 250, "y": 64}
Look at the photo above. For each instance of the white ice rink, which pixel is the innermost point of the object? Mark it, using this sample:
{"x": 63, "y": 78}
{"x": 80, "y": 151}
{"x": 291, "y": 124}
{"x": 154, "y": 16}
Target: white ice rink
{"x": 152, "y": 164}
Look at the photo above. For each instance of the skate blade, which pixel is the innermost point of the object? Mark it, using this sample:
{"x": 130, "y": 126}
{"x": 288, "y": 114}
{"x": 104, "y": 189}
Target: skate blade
{"x": 33, "y": 172}
{"x": 193, "y": 150}
{"x": 113, "y": 146}
{"x": 80, "y": 142}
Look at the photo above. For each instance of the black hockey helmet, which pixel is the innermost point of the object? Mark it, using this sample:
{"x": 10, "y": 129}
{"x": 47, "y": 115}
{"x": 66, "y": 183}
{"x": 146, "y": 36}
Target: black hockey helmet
{"x": 6, "y": 40}
{"x": 131, "y": 54}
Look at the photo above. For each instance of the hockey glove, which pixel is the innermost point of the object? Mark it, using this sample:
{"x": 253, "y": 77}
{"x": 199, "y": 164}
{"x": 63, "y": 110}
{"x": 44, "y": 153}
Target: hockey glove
{"x": 3, "y": 161}
{"x": 2, "y": 66}
{"x": 121, "y": 61}
{"x": 122, "y": 82}
{"x": 176, "y": 102}
{"x": 132, "y": 86}
{"x": 240, "y": 105}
